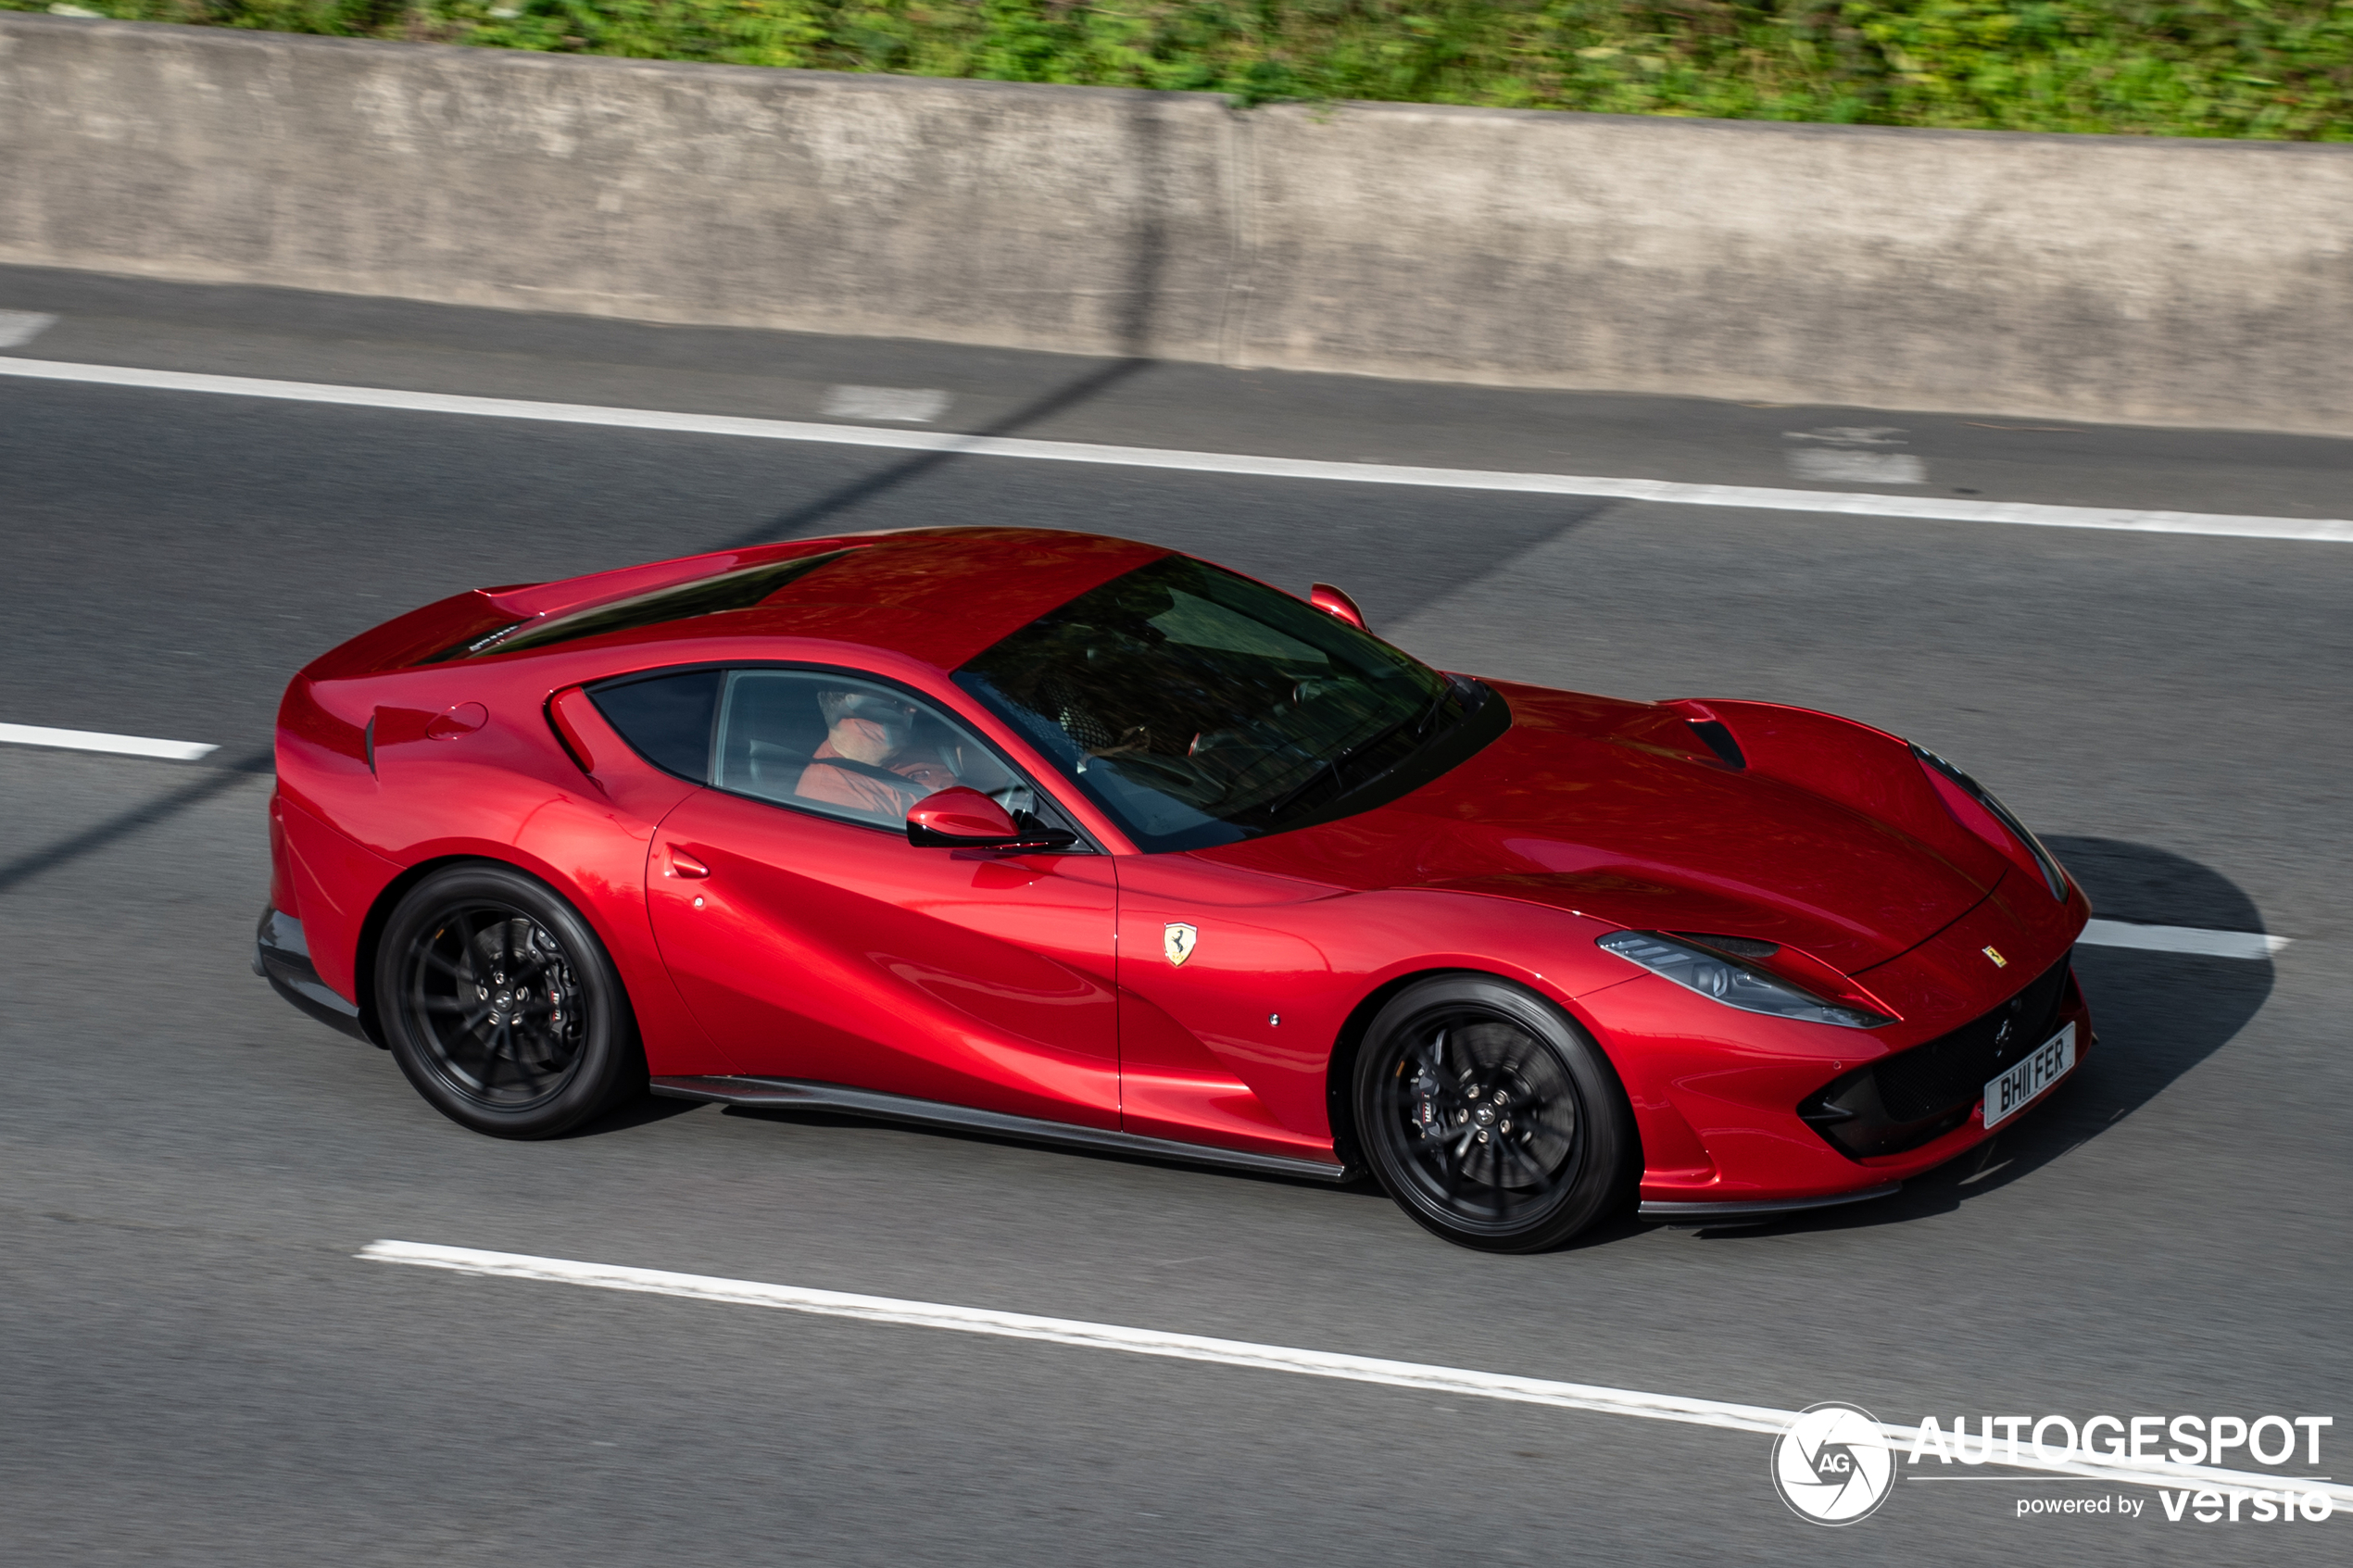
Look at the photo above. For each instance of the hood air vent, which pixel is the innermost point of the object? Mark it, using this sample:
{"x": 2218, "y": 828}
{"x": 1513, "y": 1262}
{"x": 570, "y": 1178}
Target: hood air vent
{"x": 1718, "y": 739}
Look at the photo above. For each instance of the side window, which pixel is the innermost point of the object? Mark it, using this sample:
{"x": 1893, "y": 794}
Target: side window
{"x": 667, "y": 718}
{"x": 853, "y": 750}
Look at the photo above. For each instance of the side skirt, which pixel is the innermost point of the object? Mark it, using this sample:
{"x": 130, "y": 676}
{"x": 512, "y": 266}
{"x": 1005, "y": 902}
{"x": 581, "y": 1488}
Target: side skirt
{"x": 1757, "y": 1212}
{"x": 792, "y": 1093}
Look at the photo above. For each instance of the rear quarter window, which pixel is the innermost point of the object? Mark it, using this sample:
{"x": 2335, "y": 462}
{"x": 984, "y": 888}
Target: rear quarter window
{"x": 667, "y": 718}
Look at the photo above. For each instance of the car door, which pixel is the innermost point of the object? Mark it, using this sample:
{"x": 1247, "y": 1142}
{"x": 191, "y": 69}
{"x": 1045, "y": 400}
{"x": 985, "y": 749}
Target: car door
{"x": 1228, "y": 1007}
{"x": 815, "y": 943}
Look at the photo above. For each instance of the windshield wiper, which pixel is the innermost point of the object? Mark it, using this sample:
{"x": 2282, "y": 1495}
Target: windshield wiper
{"x": 1329, "y": 768}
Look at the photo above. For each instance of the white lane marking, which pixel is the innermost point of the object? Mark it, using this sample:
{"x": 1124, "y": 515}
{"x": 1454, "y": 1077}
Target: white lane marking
{"x": 2183, "y": 939}
{"x": 1919, "y": 508}
{"x": 916, "y": 404}
{"x": 1455, "y": 1381}
{"x": 21, "y": 326}
{"x": 1846, "y": 456}
{"x": 92, "y": 740}
{"x": 1850, "y": 435}
{"x": 1831, "y": 465}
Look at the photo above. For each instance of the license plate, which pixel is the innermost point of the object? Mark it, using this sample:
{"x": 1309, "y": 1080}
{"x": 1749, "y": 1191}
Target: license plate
{"x": 2016, "y": 1089}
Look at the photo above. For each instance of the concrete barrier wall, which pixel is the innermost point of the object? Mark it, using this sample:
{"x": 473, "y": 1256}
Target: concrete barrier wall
{"x": 2110, "y": 278}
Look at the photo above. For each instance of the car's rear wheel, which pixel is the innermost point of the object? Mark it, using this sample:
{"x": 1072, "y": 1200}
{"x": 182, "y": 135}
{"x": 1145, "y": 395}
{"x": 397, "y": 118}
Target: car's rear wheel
{"x": 501, "y": 1006}
{"x": 1490, "y": 1116}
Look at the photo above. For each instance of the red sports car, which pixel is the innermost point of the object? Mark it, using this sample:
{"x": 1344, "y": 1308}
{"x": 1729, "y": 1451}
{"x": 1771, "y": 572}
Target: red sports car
{"x": 1065, "y": 838}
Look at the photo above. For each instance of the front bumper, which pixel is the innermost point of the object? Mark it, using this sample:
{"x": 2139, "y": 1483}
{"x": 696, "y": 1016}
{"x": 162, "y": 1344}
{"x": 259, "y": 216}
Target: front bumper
{"x": 1750, "y": 1211}
{"x": 282, "y": 956}
{"x": 1724, "y": 1137}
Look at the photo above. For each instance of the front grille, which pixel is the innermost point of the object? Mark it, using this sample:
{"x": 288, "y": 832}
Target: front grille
{"x": 1902, "y": 1101}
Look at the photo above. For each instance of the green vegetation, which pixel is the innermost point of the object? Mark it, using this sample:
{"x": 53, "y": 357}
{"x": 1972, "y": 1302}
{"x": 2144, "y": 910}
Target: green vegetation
{"x": 2178, "y": 68}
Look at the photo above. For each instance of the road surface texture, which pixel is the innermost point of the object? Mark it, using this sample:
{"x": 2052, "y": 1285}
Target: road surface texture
{"x": 195, "y": 1369}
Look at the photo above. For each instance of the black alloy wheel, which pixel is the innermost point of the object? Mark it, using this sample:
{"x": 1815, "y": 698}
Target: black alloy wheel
{"x": 501, "y": 1006}
{"x": 1491, "y": 1116}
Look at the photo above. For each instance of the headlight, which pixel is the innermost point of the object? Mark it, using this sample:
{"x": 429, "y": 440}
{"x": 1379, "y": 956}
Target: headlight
{"x": 1734, "y": 984}
{"x": 1948, "y": 779}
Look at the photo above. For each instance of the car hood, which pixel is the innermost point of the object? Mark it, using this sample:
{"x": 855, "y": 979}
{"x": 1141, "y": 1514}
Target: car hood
{"x": 1827, "y": 839}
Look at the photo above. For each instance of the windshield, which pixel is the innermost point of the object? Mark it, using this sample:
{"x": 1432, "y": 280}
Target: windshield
{"x": 1197, "y": 708}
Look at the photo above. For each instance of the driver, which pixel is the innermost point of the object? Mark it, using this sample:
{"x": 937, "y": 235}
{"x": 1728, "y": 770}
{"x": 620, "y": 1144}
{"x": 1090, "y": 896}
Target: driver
{"x": 869, "y": 738}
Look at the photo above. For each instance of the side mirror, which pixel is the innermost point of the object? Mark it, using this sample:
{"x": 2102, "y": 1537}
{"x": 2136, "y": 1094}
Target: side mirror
{"x": 959, "y": 818}
{"x": 1331, "y": 601}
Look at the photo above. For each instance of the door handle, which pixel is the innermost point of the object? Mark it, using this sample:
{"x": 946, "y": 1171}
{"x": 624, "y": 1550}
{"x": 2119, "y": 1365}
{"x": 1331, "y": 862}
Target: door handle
{"x": 686, "y": 865}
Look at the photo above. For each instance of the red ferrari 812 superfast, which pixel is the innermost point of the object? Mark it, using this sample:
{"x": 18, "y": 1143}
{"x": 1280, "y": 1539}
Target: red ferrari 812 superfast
{"x": 1062, "y": 838}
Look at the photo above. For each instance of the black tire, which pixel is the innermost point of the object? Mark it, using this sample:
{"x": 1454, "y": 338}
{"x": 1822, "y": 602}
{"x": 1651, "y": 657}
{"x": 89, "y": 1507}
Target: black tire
{"x": 501, "y": 1006}
{"x": 1538, "y": 1139}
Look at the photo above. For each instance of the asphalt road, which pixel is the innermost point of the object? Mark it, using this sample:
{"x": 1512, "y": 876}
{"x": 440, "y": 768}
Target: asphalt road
{"x": 194, "y": 1368}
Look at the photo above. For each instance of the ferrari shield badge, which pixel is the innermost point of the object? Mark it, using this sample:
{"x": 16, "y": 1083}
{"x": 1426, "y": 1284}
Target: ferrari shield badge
{"x": 1999, "y": 962}
{"x": 1177, "y": 940}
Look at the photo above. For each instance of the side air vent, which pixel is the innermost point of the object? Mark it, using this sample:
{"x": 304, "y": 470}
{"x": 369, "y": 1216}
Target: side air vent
{"x": 1718, "y": 739}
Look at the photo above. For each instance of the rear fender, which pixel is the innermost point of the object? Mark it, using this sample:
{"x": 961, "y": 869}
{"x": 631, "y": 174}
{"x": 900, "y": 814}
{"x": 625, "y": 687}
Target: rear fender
{"x": 331, "y": 884}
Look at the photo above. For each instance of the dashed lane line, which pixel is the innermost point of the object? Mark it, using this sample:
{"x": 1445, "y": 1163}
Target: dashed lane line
{"x": 2181, "y": 939}
{"x": 93, "y": 740}
{"x": 910, "y": 404}
{"x": 21, "y": 326}
{"x": 1917, "y": 508}
{"x": 1456, "y": 1382}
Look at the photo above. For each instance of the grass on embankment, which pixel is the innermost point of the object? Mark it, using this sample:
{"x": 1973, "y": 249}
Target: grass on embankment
{"x": 2177, "y": 68}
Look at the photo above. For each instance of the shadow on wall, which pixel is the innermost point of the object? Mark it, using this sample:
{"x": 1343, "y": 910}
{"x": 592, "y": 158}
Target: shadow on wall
{"x": 2155, "y": 1016}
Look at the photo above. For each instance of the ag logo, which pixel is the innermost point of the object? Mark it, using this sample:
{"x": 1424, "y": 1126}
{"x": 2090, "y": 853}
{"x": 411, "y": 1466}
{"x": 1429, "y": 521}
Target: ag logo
{"x": 1832, "y": 1466}
{"x": 1177, "y": 940}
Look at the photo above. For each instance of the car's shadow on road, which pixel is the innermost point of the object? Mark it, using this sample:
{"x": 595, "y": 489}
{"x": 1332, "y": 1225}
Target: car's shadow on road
{"x": 818, "y": 1118}
{"x": 2155, "y": 1016}
{"x": 641, "y": 1111}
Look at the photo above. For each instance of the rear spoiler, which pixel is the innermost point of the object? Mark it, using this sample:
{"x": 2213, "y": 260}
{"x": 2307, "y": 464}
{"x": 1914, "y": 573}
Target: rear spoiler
{"x": 529, "y": 601}
{"x": 451, "y": 623}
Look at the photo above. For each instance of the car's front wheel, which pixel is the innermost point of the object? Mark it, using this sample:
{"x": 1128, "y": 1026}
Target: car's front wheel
{"x": 501, "y": 1006}
{"x": 1490, "y": 1116}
